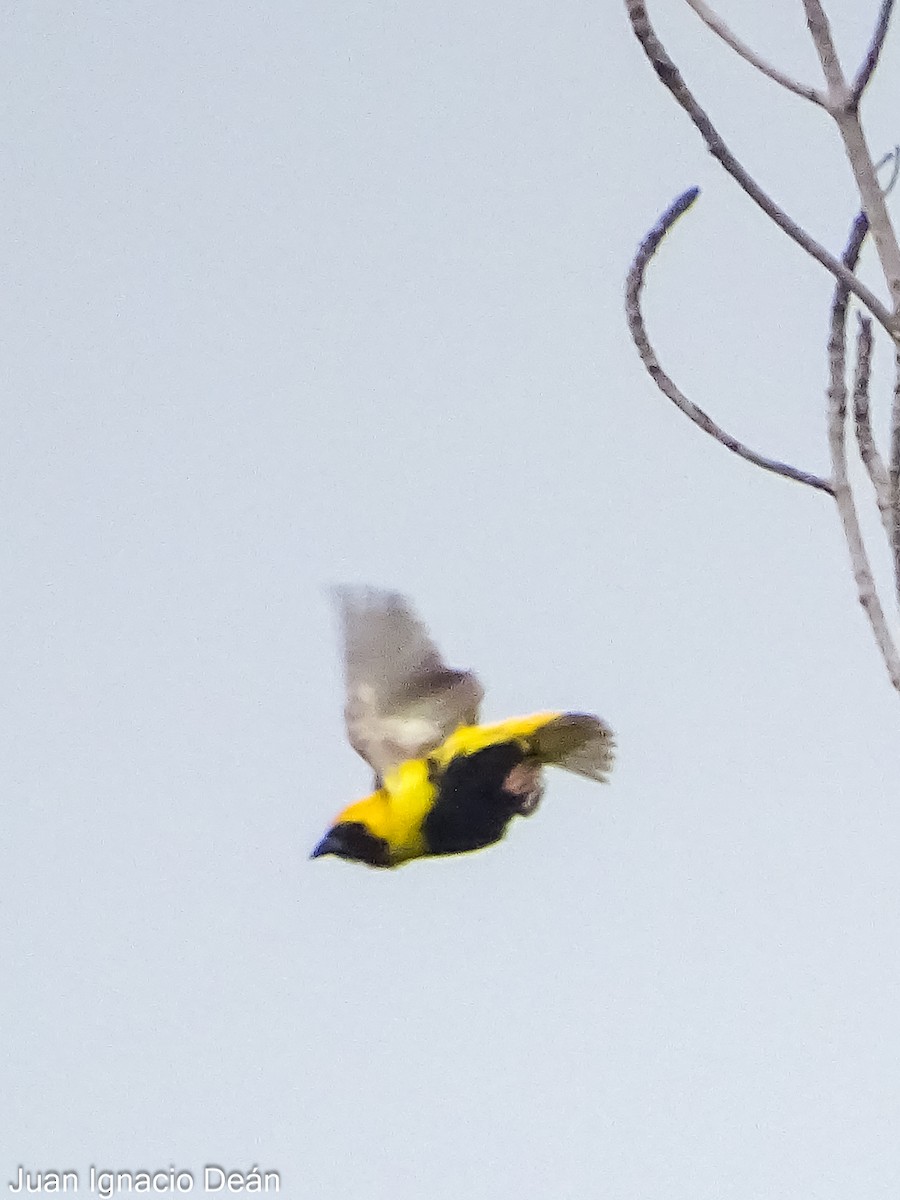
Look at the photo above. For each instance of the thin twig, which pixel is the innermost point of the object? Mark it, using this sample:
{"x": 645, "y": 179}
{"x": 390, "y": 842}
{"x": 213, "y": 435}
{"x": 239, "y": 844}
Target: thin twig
{"x": 865, "y": 439}
{"x": 870, "y": 62}
{"x": 892, "y": 157}
{"x": 669, "y": 75}
{"x": 718, "y": 26}
{"x": 637, "y": 326}
{"x": 843, "y": 496}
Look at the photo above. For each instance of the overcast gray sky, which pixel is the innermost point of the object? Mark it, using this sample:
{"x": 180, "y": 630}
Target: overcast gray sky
{"x": 304, "y": 294}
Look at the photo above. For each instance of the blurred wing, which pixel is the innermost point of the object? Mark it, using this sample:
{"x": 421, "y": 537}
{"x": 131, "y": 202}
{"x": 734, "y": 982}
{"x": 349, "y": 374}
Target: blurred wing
{"x": 577, "y": 742}
{"x": 402, "y": 699}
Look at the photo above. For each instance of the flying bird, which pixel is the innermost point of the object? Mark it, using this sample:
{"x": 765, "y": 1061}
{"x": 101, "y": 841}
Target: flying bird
{"x": 443, "y": 783}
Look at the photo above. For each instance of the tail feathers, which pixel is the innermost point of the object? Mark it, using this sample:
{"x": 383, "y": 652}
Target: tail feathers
{"x": 576, "y": 742}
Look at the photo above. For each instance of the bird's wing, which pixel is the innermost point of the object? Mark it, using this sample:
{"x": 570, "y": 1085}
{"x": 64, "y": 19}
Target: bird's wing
{"x": 402, "y": 699}
{"x": 577, "y": 742}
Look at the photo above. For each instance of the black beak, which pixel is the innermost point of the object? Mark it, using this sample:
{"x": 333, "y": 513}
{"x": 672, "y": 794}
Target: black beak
{"x": 351, "y": 839}
{"x": 331, "y": 843}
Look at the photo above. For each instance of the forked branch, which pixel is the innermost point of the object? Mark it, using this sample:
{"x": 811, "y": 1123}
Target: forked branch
{"x": 718, "y": 26}
{"x": 671, "y": 77}
{"x": 842, "y": 102}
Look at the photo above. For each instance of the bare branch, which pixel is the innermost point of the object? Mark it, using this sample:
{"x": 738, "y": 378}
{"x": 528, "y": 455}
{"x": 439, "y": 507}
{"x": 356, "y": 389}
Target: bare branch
{"x": 634, "y": 286}
{"x": 865, "y": 439}
{"x": 718, "y": 26}
{"x": 669, "y": 75}
{"x": 820, "y": 29}
{"x": 886, "y": 483}
{"x": 855, "y": 239}
{"x": 892, "y": 157}
{"x": 870, "y": 62}
{"x": 875, "y": 205}
{"x": 845, "y": 110}
{"x": 843, "y": 496}
{"x": 894, "y": 474}
{"x": 862, "y": 571}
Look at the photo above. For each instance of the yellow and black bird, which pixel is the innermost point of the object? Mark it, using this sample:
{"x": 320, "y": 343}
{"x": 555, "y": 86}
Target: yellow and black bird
{"x": 443, "y": 783}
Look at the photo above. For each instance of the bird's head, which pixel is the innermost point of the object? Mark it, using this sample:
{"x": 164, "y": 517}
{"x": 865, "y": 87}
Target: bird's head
{"x": 355, "y": 835}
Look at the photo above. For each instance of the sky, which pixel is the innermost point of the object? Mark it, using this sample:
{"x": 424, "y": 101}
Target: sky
{"x": 297, "y": 295}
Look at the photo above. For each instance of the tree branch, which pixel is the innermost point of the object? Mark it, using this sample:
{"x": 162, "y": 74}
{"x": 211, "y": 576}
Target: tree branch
{"x": 820, "y": 29}
{"x": 718, "y": 26}
{"x": 892, "y": 157}
{"x": 844, "y": 108}
{"x": 637, "y": 326}
{"x": 894, "y": 474}
{"x": 865, "y": 439}
{"x": 843, "y": 496}
{"x": 873, "y": 200}
{"x": 670, "y": 76}
{"x": 886, "y": 482}
{"x": 870, "y": 62}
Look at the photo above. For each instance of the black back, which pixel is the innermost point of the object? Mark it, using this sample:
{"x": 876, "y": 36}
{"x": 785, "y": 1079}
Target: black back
{"x": 472, "y": 809}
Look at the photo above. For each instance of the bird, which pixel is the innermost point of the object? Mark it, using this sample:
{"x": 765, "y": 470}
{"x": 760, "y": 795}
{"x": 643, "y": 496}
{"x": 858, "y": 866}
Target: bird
{"x": 444, "y": 784}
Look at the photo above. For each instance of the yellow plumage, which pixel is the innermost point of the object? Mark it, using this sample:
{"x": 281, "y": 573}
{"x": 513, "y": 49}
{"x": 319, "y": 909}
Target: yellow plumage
{"x": 445, "y": 783}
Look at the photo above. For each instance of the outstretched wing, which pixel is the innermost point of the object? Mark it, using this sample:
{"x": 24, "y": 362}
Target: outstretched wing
{"x": 402, "y": 699}
{"x": 577, "y": 742}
